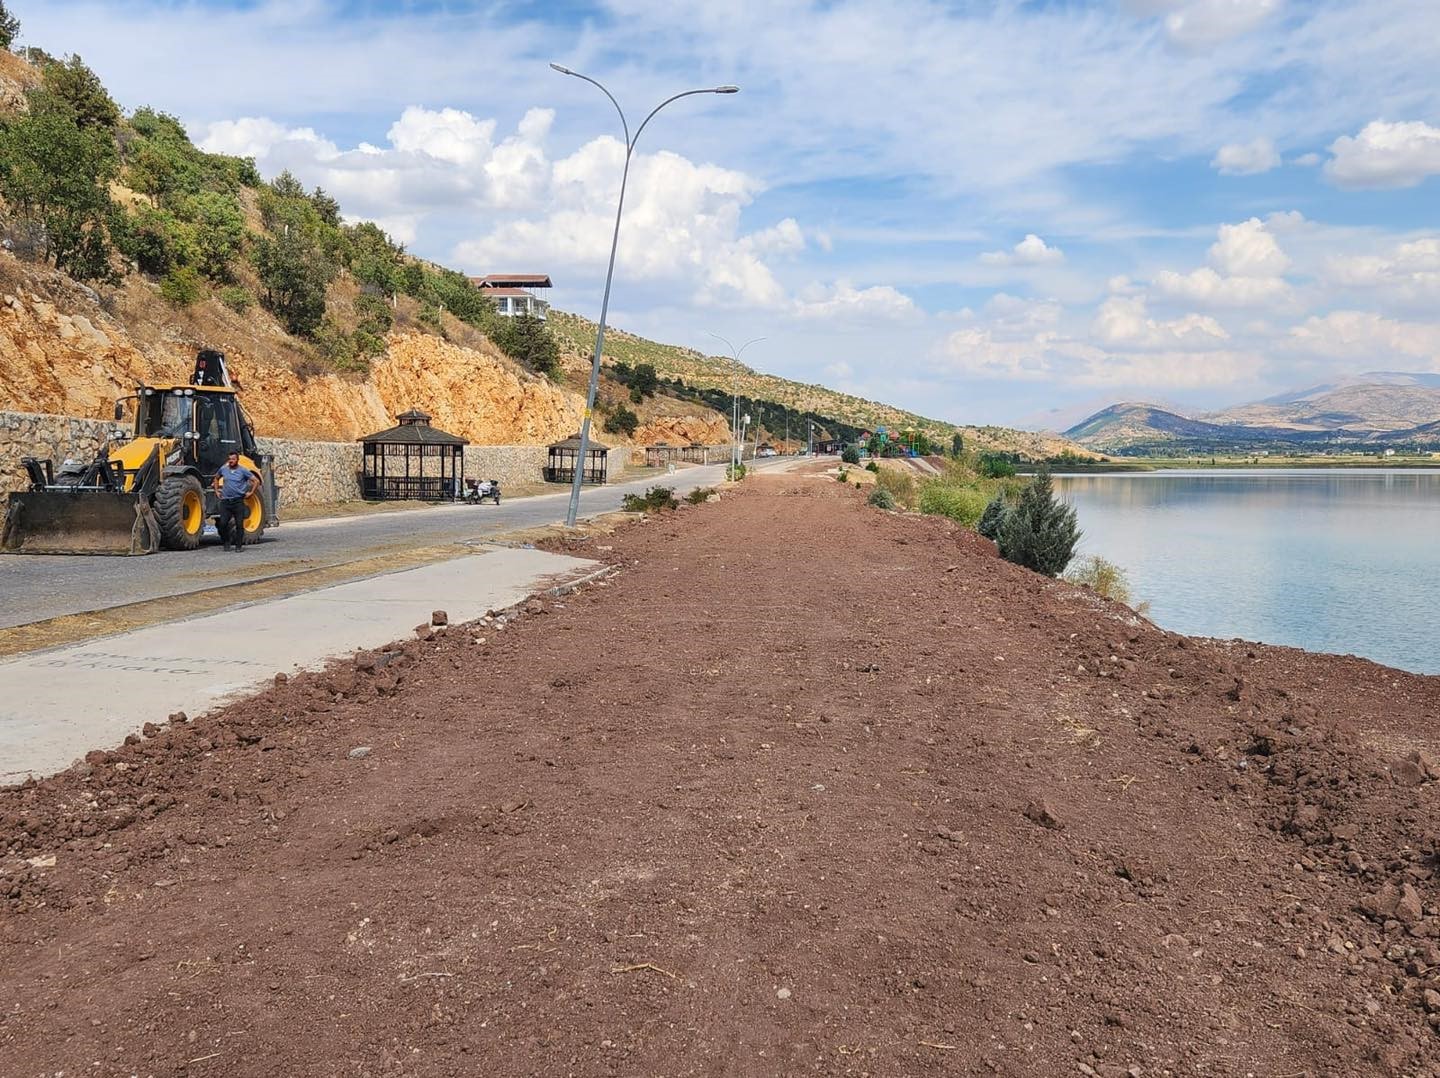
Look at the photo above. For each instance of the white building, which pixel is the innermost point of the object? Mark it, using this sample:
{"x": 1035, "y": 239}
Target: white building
{"x": 510, "y": 292}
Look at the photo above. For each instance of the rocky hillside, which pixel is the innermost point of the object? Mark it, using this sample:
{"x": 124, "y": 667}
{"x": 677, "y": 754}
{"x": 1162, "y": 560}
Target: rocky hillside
{"x": 1358, "y": 418}
{"x": 1379, "y": 401}
{"x": 833, "y": 410}
{"x": 62, "y": 352}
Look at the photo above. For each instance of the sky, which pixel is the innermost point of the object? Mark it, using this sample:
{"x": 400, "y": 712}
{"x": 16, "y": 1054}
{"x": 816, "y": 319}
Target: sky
{"x": 1012, "y": 212}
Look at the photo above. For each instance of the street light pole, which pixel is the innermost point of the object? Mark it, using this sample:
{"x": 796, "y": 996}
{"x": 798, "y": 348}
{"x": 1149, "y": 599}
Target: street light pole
{"x": 735, "y": 354}
{"x": 630, "y": 141}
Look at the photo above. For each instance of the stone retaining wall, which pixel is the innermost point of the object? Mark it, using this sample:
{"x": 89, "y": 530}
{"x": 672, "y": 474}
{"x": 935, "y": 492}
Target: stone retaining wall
{"x": 309, "y": 473}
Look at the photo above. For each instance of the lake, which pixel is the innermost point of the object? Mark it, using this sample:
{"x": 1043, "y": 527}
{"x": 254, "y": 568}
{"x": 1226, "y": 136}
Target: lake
{"x": 1344, "y": 561}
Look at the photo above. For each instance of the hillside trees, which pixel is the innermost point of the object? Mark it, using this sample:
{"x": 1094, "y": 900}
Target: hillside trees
{"x": 9, "y": 27}
{"x": 526, "y": 339}
{"x": 90, "y": 105}
{"x": 54, "y": 177}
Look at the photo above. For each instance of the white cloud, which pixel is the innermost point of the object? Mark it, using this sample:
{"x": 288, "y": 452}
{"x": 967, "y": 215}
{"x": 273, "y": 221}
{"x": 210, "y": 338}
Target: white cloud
{"x": 1385, "y": 155}
{"x": 1206, "y": 288}
{"x": 1306, "y": 160}
{"x": 1246, "y": 158}
{"x": 1246, "y": 267}
{"x": 1124, "y": 322}
{"x": 1203, "y": 23}
{"x": 1407, "y": 275}
{"x": 1031, "y": 251}
{"x": 1248, "y": 250}
{"x": 845, "y": 302}
{"x": 1364, "y": 340}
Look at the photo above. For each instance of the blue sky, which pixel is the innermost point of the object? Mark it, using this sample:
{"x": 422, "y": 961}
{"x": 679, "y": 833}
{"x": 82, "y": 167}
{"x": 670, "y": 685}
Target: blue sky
{"x": 1000, "y": 212}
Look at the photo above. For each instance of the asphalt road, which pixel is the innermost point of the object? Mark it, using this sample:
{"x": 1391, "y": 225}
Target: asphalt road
{"x": 34, "y": 588}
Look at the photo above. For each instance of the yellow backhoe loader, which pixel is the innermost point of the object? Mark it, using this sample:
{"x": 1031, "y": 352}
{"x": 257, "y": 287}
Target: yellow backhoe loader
{"x": 150, "y": 489}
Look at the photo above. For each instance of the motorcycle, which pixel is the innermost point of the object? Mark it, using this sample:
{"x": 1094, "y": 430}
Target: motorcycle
{"x": 477, "y": 491}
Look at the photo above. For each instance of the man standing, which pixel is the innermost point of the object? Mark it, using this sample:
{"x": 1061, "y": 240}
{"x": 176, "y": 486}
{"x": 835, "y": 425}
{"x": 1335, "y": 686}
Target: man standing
{"x": 234, "y": 484}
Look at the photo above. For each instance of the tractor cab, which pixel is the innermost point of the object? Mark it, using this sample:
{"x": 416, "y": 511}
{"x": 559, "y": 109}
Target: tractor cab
{"x": 207, "y": 422}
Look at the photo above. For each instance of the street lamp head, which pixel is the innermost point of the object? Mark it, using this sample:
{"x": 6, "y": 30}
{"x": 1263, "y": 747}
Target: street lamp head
{"x": 562, "y": 70}
{"x": 722, "y": 89}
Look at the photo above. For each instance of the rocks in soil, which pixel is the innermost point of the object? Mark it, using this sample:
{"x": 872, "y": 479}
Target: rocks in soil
{"x": 1039, "y": 811}
{"x": 439, "y": 617}
{"x": 1395, "y": 902}
{"x": 1415, "y": 769}
{"x": 178, "y": 718}
{"x": 359, "y": 752}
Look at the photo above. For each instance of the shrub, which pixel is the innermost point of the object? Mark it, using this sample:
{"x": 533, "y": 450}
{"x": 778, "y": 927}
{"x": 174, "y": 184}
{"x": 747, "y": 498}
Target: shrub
{"x": 871, "y": 466}
{"x": 527, "y": 339}
{"x": 961, "y": 504}
{"x": 850, "y": 454}
{"x": 237, "y": 299}
{"x": 653, "y": 500}
{"x": 901, "y": 485}
{"x": 700, "y": 495}
{"x": 881, "y": 498}
{"x": 735, "y": 472}
{"x": 182, "y": 286}
{"x": 622, "y": 421}
{"x": 993, "y": 518}
{"x": 994, "y": 466}
{"x": 375, "y": 314}
{"x": 1040, "y": 533}
{"x": 1105, "y": 578}
{"x": 957, "y": 444}
{"x": 843, "y": 476}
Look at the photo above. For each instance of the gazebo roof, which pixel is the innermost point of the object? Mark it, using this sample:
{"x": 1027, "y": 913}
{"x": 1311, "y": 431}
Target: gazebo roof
{"x": 413, "y": 429}
{"x": 573, "y": 442}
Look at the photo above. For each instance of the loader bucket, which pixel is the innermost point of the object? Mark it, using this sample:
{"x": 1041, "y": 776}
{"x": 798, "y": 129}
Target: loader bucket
{"x": 78, "y": 522}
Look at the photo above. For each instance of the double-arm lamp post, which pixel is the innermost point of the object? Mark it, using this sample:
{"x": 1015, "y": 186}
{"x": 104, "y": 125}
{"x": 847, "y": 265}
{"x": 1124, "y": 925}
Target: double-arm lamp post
{"x": 735, "y": 354}
{"x": 630, "y": 141}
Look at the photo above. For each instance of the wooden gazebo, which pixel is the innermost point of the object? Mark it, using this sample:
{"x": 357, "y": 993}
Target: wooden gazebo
{"x": 412, "y": 461}
{"x": 695, "y": 453}
{"x": 564, "y": 455}
{"x": 660, "y": 454}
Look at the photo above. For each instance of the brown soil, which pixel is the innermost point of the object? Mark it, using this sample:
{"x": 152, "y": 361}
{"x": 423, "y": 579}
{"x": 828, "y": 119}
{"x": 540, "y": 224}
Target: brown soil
{"x": 807, "y": 788}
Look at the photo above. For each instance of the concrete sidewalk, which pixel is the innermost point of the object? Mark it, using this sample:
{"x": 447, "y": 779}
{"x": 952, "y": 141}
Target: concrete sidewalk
{"x": 57, "y": 705}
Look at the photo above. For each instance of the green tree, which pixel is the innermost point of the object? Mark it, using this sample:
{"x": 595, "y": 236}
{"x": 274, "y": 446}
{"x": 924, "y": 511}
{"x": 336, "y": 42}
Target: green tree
{"x": 957, "y": 444}
{"x": 525, "y": 338}
{"x": 218, "y": 233}
{"x": 622, "y": 421}
{"x": 374, "y": 257}
{"x": 327, "y": 208}
{"x": 9, "y": 27}
{"x": 643, "y": 382}
{"x": 54, "y": 176}
{"x": 82, "y": 91}
{"x": 996, "y": 466}
{"x": 294, "y": 275}
{"x": 993, "y": 518}
{"x": 375, "y": 315}
{"x": 850, "y": 454}
{"x": 182, "y": 286}
{"x": 1040, "y": 533}
{"x": 153, "y": 239}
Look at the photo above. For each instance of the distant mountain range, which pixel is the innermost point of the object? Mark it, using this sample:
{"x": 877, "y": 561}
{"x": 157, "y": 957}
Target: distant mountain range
{"x": 1378, "y": 410}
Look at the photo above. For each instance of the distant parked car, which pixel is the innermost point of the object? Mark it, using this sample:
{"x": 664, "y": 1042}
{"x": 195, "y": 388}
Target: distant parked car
{"x": 767, "y": 453}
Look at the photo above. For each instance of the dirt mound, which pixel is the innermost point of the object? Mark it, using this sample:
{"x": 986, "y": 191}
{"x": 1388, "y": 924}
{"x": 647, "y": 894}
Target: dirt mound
{"x": 806, "y": 788}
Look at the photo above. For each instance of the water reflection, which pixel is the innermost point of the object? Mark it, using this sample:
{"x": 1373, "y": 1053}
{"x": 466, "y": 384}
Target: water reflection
{"x": 1341, "y": 561}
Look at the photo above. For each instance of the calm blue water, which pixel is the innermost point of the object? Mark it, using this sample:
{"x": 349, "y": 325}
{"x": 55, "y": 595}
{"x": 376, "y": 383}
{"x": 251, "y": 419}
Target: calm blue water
{"x": 1341, "y": 561}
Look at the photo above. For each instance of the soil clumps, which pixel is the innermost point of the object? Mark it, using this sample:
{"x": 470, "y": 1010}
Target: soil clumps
{"x": 804, "y": 788}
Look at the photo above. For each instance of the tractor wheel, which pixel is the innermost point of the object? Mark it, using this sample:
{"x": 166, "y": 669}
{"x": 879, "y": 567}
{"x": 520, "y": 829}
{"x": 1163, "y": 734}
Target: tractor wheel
{"x": 180, "y": 508}
{"x": 254, "y": 517}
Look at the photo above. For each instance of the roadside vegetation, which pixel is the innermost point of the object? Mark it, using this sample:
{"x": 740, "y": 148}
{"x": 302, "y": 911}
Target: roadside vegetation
{"x": 652, "y": 501}
{"x": 104, "y": 196}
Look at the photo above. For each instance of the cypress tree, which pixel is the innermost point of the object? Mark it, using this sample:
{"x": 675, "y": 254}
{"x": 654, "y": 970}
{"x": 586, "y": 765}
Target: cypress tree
{"x": 993, "y": 519}
{"x": 1040, "y": 533}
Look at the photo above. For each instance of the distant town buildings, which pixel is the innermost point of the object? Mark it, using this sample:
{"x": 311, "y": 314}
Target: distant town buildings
{"x": 511, "y": 292}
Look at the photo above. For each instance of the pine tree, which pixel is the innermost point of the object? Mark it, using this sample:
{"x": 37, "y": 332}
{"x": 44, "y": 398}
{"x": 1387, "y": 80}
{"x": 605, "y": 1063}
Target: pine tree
{"x": 9, "y": 27}
{"x": 1040, "y": 533}
{"x": 992, "y": 520}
